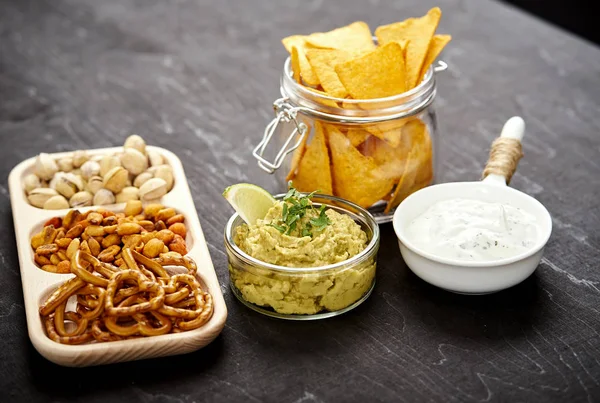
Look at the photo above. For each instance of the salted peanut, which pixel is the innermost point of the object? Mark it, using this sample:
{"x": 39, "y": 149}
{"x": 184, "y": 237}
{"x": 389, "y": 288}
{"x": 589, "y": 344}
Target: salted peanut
{"x": 147, "y": 225}
{"x": 95, "y": 218}
{"x": 108, "y": 254}
{"x": 120, "y": 215}
{"x": 153, "y": 247}
{"x": 54, "y": 259}
{"x": 110, "y": 229}
{"x": 178, "y": 245}
{"x": 75, "y": 231}
{"x": 165, "y": 235}
{"x": 109, "y": 221}
{"x": 128, "y": 228}
{"x": 179, "y": 229}
{"x": 63, "y": 242}
{"x": 130, "y": 241}
{"x": 37, "y": 240}
{"x": 50, "y": 268}
{"x": 41, "y": 260}
{"x": 56, "y": 221}
{"x": 95, "y": 230}
{"x": 152, "y": 209}
{"x": 59, "y": 234}
{"x": 49, "y": 234}
{"x": 63, "y": 267}
{"x": 85, "y": 247}
{"x": 73, "y": 247}
{"x": 148, "y": 236}
{"x": 46, "y": 250}
{"x": 72, "y": 217}
{"x": 94, "y": 246}
{"x": 165, "y": 214}
{"x": 139, "y": 247}
{"x": 139, "y": 217}
{"x": 165, "y": 249}
{"x": 160, "y": 225}
{"x": 61, "y": 255}
{"x": 133, "y": 207}
{"x": 175, "y": 219}
{"x": 110, "y": 240}
{"x": 119, "y": 262}
{"x": 85, "y": 236}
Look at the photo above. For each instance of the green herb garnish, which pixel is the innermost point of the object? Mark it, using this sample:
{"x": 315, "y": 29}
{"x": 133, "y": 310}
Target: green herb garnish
{"x": 294, "y": 209}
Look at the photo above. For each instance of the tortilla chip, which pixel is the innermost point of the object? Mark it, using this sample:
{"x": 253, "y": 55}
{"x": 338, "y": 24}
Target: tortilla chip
{"x": 390, "y": 160}
{"x": 297, "y": 156}
{"x": 306, "y": 71}
{"x": 435, "y": 48}
{"x": 419, "y": 31}
{"x": 328, "y": 102}
{"x": 314, "y": 171}
{"x": 356, "y": 36}
{"x": 295, "y": 60}
{"x": 377, "y": 74}
{"x": 357, "y": 136}
{"x": 404, "y": 186}
{"x": 323, "y": 62}
{"x": 356, "y": 177}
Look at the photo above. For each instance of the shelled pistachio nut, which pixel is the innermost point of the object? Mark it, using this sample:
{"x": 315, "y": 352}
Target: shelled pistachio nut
{"x": 136, "y": 142}
{"x": 57, "y": 202}
{"x": 134, "y": 161}
{"x": 153, "y": 189}
{"x": 65, "y": 164}
{"x": 30, "y": 182}
{"x": 104, "y": 196}
{"x": 128, "y": 193}
{"x": 81, "y": 199}
{"x": 142, "y": 178}
{"x": 108, "y": 162}
{"x": 45, "y": 166}
{"x": 69, "y": 184}
{"x": 94, "y": 184}
{"x": 89, "y": 169}
{"x": 38, "y": 197}
{"x": 79, "y": 158}
{"x": 155, "y": 158}
{"x": 116, "y": 179}
{"x": 165, "y": 172}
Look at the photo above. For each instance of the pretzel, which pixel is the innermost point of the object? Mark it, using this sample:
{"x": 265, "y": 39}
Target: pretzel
{"x": 150, "y": 264}
{"x": 53, "y": 335}
{"x": 196, "y": 293}
{"x": 82, "y": 271}
{"x": 59, "y": 322}
{"x": 201, "y": 319}
{"x": 142, "y": 325}
{"x": 101, "y": 335}
{"x": 175, "y": 259}
{"x": 96, "y": 310}
{"x": 177, "y": 296}
{"x": 60, "y": 295}
{"x": 157, "y": 292}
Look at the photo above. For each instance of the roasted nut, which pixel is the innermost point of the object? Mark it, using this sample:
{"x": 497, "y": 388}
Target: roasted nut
{"x": 94, "y": 246}
{"x": 38, "y": 197}
{"x": 54, "y": 221}
{"x": 160, "y": 225}
{"x": 155, "y": 158}
{"x": 133, "y": 207}
{"x": 175, "y": 219}
{"x": 54, "y": 259}
{"x": 46, "y": 250}
{"x": 116, "y": 179}
{"x": 110, "y": 220}
{"x": 110, "y": 240}
{"x": 142, "y": 178}
{"x": 95, "y": 218}
{"x": 134, "y": 161}
{"x": 41, "y": 260}
{"x": 65, "y": 164}
{"x": 179, "y": 229}
{"x": 128, "y": 193}
{"x": 79, "y": 158}
{"x": 49, "y": 234}
{"x": 136, "y": 142}
{"x": 73, "y": 247}
{"x": 108, "y": 162}
{"x": 165, "y": 172}
{"x": 110, "y": 229}
{"x": 94, "y": 184}
{"x": 152, "y": 209}
{"x": 153, "y": 247}
{"x": 63, "y": 242}
{"x": 165, "y": 235}
{"x": 178, "y": 245}
{"x": 153, "y": 189}
{"x": 103, "y": 197}
{"x": 72, "y": 217}
{"x": 95, "y": 230}
{"x": 128, "y": 228}
{"x": 60, "y": 233}
{"x": 147, "y": 237}
{"x": 85, "y": 247}
{"x": 108, "y": 254}
{"x": 165, "y": 214}
{"x": 56, "y": 203}
{"x": 89, "y": 169}
{"x": 61, "y": 255}
{"x": 32, "y": 181}
{"x": 63, "y": 267}
{"x": 81, "y": 199}
{"x": 45, "y": 166}
{"x": 130, "y": 241}
{"x": 75, "y": 231}
{"x": 50, "y": 268}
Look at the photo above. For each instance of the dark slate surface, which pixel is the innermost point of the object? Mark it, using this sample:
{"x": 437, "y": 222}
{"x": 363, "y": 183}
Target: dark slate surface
{"x": 198, "y": 77}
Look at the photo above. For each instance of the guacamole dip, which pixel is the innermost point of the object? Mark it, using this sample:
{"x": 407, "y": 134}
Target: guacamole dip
{"x": 306, "y": 291}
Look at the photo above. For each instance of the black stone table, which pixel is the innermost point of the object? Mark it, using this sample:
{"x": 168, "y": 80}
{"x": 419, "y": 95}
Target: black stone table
{"x": 198, "y": 77}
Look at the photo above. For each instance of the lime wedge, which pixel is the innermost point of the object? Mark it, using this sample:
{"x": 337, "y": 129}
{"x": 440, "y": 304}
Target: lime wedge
{"x": 251, "y": 202}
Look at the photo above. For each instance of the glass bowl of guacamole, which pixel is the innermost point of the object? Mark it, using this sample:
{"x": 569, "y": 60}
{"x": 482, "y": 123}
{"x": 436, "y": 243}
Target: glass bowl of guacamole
{"x": 322, "y": 267}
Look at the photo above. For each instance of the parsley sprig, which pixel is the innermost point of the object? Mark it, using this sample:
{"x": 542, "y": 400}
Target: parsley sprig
{"x": 295, "y": 207}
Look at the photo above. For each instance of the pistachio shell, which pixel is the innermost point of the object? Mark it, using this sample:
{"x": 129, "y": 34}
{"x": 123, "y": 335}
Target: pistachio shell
{"x": 65, "y": 164}
{"x": 37, "y": 197}
{"x": 89, "y": 169}
{"x": 108, "y": 162}
{"x": 116, "y": 179}
{"x": 30, "y": 182}
{"x": 165, "y": 172}
{"x": 94, "y": 184}
{"x": 136, "y": 142}
{"x": 81, "y": 199}
{"x": 134, "y": 161}
{"x": 155, "y": 158}
{"x": 68, "y": 184}
{"x": 142, "y": 178}
{"x": 104, "y": 196}
{"x": 55, "y": 179}
{"x": 153, "y": 189}
{"x": 79, "y": 158}
{"x": 45, "y": 166}
{"x": 56, "y": 203}
{"x": 128, "y": 193}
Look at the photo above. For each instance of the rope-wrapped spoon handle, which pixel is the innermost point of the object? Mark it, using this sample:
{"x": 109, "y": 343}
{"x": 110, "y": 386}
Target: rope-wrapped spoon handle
{"x": 506, "y": 150}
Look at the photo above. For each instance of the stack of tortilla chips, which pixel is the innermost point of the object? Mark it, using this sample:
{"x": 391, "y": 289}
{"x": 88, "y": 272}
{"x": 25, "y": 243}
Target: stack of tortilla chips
{"x": 366, "y": 164}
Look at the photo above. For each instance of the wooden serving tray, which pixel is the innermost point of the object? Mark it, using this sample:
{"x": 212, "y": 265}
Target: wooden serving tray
{"x": 38, "y": 284}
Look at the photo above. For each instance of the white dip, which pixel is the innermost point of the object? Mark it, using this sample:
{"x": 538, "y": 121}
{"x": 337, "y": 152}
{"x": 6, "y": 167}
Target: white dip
{"x": 473, "y": 230}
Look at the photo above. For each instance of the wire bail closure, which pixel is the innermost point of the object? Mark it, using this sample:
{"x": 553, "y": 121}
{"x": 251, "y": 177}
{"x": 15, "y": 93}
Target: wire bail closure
{"x": 285, "y": 113}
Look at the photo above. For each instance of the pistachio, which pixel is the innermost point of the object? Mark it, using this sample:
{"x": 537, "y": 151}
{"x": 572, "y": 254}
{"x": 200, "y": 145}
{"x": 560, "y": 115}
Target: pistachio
{"x": 68, "y": 184}
{"x": 65, "y": 164}
{"x": 30, "y": 182}
{"x": 128, "y": 193}
{"x": 79, "y": 158}
{"x": 38, "y": 197}
{"x": 76, "y": 171}
{"x": 153, "y": 189}
{"x": 116, "y": 179}
{"x": 142, "y": 178}
{"x": 89, "y": 169}
{"x": 45, "y": 166}
{"x": 155, "y": 158}
{"x": 108, "y": 162}
{"x": 56, "y": 203}
{"x": 165, "y": 172}
{"x": 81, "y": 199}
{"x": 134, "y": 161}
{"x": 104, "y": 196}
{"x": 136, "y": 142}
{"x": 55, "y": 179}
{"x": 94, "y": 184}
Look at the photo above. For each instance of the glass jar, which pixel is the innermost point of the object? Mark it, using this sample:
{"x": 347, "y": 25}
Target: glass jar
{"x": 372, "y": 152}
{"x": 305, "y": 293}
